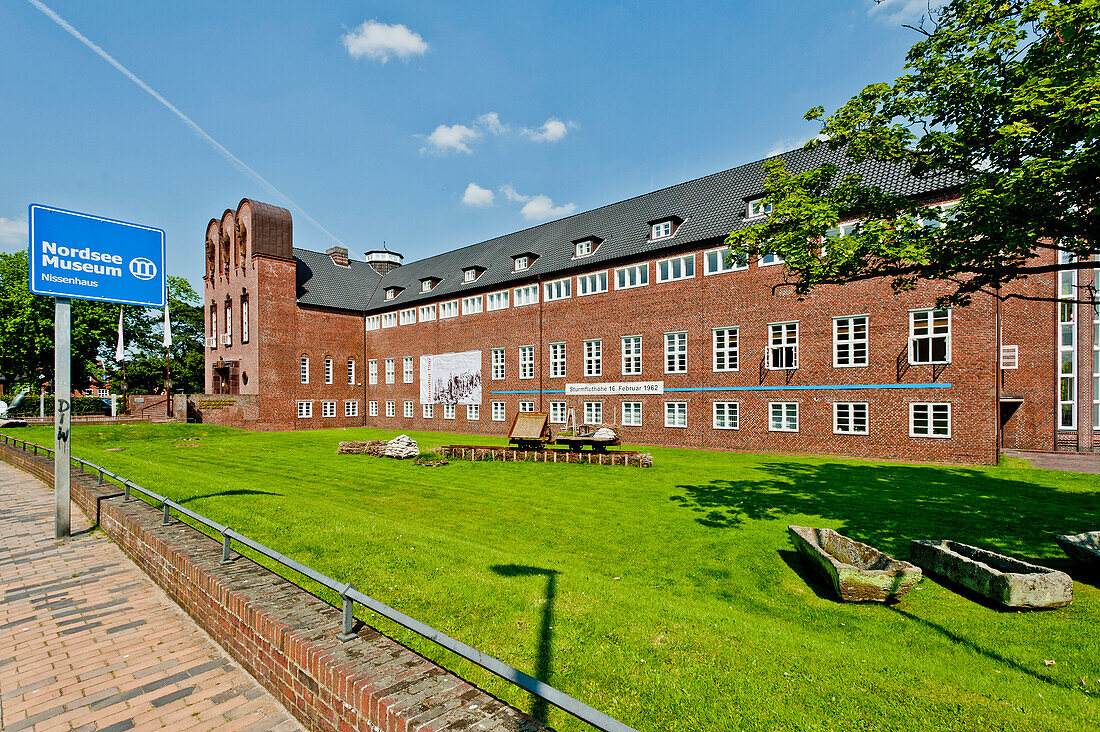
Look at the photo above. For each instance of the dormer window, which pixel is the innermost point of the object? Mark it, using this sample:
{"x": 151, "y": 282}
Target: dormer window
{"x": 392, "y": 292}
{"x": 521, "y": 262}
{"x": 471, "y": 273}
{"x": 428, "y": 283}
{"x": 757, "y": 207}
{"x": 664, "y": 228}
{"x": 584, "y": 247}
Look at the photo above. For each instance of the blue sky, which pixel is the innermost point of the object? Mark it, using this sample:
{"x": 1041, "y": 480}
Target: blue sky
{"x": 375, "y": 118}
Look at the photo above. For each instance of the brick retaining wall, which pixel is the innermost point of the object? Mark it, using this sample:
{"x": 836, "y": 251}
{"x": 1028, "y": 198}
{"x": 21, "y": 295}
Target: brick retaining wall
{"x": 284, "y": 636}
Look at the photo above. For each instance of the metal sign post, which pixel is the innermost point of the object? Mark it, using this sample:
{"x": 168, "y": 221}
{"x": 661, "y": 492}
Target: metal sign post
{"x": 63, "y": 414}
{"x": 76, "y": 255}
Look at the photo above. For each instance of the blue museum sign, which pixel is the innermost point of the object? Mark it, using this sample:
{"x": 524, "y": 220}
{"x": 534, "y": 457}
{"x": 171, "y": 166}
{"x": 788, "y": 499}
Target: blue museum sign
{"x": 85, "y": 257}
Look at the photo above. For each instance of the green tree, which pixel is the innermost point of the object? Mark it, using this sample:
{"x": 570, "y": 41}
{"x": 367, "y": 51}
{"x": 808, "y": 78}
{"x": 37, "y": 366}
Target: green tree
{"x": 26, "y": 329}
{"x": 145, "y": 359}
{"x": 1002, "y": 95}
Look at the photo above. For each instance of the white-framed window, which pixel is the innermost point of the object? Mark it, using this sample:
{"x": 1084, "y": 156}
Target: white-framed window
{"x": 305, "y": 409}
{"x": 391, "y": 292}
{"x": 473, "y": 412}
{"x": 408, "y": 317}
{"x": 719, "y": 261}
{"x": 426, "y": 285}
{"x": 676, "y": 268}
{"x": 304, "y": 364}
{"x": 558, "y": 290}
{"x": 328, "y": 371}
{"x": 448, "y": 411}
{"x": 557, "y": 412}
{"x": 374, "y": 322}
{"x": 526, "y": 406}
{"x": 391, "y": 371}
{"x": 783, "y": 416}
{"x": 351, "y": 408}
{"x": 929, "y": 336}
{"x": 1067, "y": 345}
{"x": 372, "y": 371}
{"x": 214, "y": 324}
{"x": 724, "y": 342}
{"x": 351, "y": 372}
{"x": 850, "y": 418}
{"x": 496, "y": 300}
{"x": 448, "y": 309}
{"x": 428, "y": 411}
{"x": 835, "y": 233}
{"x": 584, "y": 248}
{"x": 472, "y": 305}
{"x": 557, "y": 360}
{"x": 407, "y": 374}
{"x": 660, "y": 230}
{"x": 632, "y": 355}
{"x": 499, "y": 370}
{"x": 591, "y": 284}
{"x": 328, "y": 408}
{"x": 244, "y": 318}
{"x": 470, "y": 274}
{"x": 724, "y": 415}
{"x": 498, "y": 411}
{"x": 526, "y": 295}
{"x": 1010, "y": 357}
{"x": 521, "y": 263}
{"x": 593, "y": 357}
{"x": 676, "y": 353}
{"x": 372, "y": 408}
{"x": 850, "y": 341}
{"x": 391, "y": 408}
{"x": 389, "y": 320}
{"x": 757, "y": 207}
{"x": 593, "y": 412}
{"x": 767, "y": 259}
{"x": 101, "y": 392}
{"x": 636, "y": 275}
{"x": 426, "y": 313}
{"x": 228, "y": 338}
{"x": 527, "y": 362}
{"x": 930, "y": 419}
{"x": 410, "y": 408}
{"x": 782, "y": 346}
{"x": 1096, "y": 351}
{"x": 676, "y": 414}
{"x": 632, "y": 414}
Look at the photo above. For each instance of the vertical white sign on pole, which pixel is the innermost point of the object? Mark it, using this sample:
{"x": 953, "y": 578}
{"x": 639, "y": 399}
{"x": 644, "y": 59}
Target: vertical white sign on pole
{"x": 63, "y": 414}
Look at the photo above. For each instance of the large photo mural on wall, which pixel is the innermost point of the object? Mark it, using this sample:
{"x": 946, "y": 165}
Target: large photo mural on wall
{"x": 451, "y": 378}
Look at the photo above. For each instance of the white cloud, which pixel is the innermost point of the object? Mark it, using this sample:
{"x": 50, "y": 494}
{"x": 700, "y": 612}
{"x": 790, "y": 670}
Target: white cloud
{"x": 491, "y": 122}
{"x": 451, "y": 138}
{"x": 477, "y": 197}
{"x": 902, "y": 11}
{"x": 538, "y": 207}
{"x": 13, "y": 232}
{"x": 378, "y": 41}
{"x": 552, "y": 130}
{"x": 789, "y": 143}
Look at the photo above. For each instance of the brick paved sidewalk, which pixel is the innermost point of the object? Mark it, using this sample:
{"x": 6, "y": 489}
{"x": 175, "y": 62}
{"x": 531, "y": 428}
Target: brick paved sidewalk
{"x": 88, "y": 642}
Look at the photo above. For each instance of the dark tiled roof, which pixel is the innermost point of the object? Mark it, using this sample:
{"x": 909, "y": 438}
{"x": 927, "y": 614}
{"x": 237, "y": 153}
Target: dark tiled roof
{"x": 324, "y": 283}
{"x": 710, "y": 208}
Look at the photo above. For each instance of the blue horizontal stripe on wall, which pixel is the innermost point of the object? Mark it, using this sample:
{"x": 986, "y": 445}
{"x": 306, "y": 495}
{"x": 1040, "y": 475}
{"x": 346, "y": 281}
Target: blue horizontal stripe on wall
{"x": 829, "y": 387}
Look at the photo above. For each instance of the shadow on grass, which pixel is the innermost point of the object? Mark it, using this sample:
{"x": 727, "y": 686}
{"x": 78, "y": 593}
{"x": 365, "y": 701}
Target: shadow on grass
{"x": 887, "y": 505}
{"x": 543, "y": 663}
{"x": 805, "y": 572}
{"x": 233, "y": 492}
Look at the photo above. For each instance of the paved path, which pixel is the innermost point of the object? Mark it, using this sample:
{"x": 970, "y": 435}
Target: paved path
{"x": 1072, "y": 461}
{"x": 89, "y": 642}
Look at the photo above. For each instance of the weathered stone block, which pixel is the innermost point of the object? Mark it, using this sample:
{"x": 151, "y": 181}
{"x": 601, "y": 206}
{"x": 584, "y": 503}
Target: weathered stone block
{"x": 401, "y": 447}
{"x": 1004, "y": 580}
{"x": 1084, "y": 547}
{"x": 857, "y": 571}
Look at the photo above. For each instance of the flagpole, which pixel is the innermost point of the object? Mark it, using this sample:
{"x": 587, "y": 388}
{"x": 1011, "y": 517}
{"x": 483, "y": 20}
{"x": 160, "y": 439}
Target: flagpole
{"x": 167, "y": 357}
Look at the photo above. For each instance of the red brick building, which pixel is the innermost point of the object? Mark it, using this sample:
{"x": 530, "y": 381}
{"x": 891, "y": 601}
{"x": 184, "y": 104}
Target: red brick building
{"x": 629, "y": 315}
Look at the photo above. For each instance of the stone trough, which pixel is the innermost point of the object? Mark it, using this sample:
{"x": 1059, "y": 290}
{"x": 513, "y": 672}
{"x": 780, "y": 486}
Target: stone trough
{"x": 1006, "y": 581}
{"x": 857, "y": 571}
{"x": 1084, "y": 548}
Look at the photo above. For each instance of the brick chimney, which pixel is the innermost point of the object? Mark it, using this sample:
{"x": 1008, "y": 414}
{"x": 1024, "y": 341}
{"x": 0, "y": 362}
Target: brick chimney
{"x": 339, "y": 255}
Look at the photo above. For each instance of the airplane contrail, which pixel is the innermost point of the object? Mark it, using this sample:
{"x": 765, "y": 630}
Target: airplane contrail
{"x": 199, "y": 131}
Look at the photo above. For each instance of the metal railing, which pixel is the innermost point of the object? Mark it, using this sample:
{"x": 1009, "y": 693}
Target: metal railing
{"x": 349, "y": 596}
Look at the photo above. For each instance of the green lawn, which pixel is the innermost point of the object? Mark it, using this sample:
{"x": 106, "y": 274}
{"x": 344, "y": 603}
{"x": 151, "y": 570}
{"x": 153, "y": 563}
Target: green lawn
{"x": 668, "y": 597}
